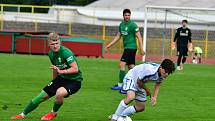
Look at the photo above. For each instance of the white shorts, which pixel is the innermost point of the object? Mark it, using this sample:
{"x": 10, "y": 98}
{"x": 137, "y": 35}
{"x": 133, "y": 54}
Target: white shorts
{"x": 130, "y": 85}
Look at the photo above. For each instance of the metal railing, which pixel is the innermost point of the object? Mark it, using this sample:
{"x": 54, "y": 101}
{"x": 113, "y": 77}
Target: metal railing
{"x": 103, "y": 32}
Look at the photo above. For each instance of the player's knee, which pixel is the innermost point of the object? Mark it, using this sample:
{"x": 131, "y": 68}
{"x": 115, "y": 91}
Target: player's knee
{"x": 122, "y": 65}
{"x": 61, "y": 92}
{"x": 140, "y": 108}
{"x": 129, "y": 99}
{"x": 59, "y": 95}
{"x": 130, "y": 66}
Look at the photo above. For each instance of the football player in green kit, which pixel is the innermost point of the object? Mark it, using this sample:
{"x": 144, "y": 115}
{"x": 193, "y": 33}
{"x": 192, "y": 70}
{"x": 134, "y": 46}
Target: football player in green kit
{"x": 66, "y": 81}
{"x": 128, "y": 30}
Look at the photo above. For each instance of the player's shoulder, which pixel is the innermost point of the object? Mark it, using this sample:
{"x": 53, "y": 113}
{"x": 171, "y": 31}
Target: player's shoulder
{"x": 66, "y": 51}
{"x": 150, "y": 67}
{"x": 50, "y": 53}
{"x": 133, "y": 23}
{"x": 121, "y": 23}
{"x": 188, "y": 29}
{"x": 179, "y": 28}
{"x": 151, "y": 64}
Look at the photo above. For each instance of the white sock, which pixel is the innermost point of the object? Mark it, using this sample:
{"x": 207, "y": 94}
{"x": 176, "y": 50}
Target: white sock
{"x": 114, "y": 117}
{"x": 122, "y": 106}
{"x": 22, "y": 114}
{"x": 53, "y": 111}
{"x": 120, "y": 84}
{"x": 128, "y": 111}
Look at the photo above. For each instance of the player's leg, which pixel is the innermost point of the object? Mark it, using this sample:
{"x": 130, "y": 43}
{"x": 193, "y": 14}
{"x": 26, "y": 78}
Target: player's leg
{"x": 131, "y": 66}
{"x": 183, "y": 61}
{"x": 122, "y": 73}
{"x": 140, "y": 98}
{"x": 199, "y": 58}
{"x": 68, "y": 88}
{"x": 63, "y": 92}
{"x": 60, "y": 94}
{"x": 36, "y": 101}
{"x": 131, "y": 58}
{"x": 130, "y": 62}
{"x": 59, "y": 97}
{"x": 194, "y": 57}
{"x": 33, "y": 104}
{"x": 184, "y": 54}
{"x": 179, "y": 61}
{"x": 140, "y": 103}
{"x": 129, "y": 86}
{"x": 48, "y": 91}
{"x": 179, "y": 54}
{"x": 138, "y": 107}
{"x": 123, "y": 105}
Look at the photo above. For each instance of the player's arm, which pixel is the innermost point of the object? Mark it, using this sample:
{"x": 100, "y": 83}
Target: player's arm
{"x": 54, "y": 74}
{"x": 189, "y": 36}
{"x": 176, "y": 35}
{"x": 115, "y": 40}
{"x": 175, "y": 39}
{"x": 140, "y": 41}
{"x": 72, "y": 70}
{"x": 190, "y": 45}
{"x": 155, "y": 94}
{"x": 142, "y": 85}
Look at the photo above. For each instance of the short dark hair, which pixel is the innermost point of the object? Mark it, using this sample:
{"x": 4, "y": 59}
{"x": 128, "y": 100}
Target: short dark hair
{"x": 126, "y": 11}
{"x": 184, "y": 21}
{"x": 168, "y": 65}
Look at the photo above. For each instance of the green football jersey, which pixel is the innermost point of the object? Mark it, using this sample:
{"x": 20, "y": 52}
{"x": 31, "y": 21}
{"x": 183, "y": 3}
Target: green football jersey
{"x": 128, "y": 31}
{"x": 62, "y": 60}
{"x": 197, "y": 50}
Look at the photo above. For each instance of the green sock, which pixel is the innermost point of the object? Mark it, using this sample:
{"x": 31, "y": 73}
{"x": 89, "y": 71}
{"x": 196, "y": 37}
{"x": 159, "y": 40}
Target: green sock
{"x": 30, "y": 107}
{"x": 34, "y": 103}
{"x": 56, "y": 107}
{"x": 121, "y": 75}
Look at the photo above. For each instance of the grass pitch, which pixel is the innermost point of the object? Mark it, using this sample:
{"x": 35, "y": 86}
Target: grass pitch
{"x": 185, "y": 96}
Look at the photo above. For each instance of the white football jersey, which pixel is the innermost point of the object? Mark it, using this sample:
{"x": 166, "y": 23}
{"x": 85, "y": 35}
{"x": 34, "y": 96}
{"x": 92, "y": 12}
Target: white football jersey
{"x": 145, "y": 72}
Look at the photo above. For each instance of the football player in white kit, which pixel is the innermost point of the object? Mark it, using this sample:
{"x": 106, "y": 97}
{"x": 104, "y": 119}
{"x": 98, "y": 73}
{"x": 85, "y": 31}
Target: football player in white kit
{"x": 134, "y": 84}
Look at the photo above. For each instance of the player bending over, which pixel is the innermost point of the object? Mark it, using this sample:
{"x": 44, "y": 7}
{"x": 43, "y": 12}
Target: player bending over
{"x": 67, "y": 79}
{"x": 197, "y": 55}
{"x": 134, "y": 84}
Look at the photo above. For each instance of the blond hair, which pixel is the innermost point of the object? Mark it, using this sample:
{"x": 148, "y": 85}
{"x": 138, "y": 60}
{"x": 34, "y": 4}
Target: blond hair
{"x": 53, "y": 36}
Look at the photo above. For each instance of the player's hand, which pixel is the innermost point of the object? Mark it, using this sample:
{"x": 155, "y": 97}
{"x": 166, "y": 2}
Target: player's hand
{"x": 107, "y": 49}
{"x": 57, "y": 69}
{"x": 142, "y": 52}
{"x": 190, "y": 47}
{"x": 54, "y": 67}
{"x": 153, "y": 101}
{"x": 173, "y": 45}
{"x": 148, "y": 92}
